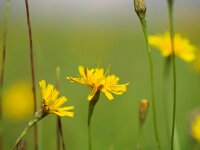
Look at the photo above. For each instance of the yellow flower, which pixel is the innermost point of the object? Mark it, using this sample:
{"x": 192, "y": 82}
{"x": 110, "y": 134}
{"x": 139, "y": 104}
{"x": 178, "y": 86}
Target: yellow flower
{"x": 183, "y": 48}
{"x": 195, "y": 128}
{"x": 18, "y": 101}
{"x": 99, "y": 81}
{"x": 51, "y": 103}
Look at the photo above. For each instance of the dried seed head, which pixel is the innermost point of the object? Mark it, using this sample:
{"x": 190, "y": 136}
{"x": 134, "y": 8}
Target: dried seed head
{"x": 143, "y": 109}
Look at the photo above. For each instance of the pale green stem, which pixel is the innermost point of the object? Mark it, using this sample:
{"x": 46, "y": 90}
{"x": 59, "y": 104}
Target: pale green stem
{"x": 166, "y": 96}
{"x": 176, "y": 140}
{"x": 59, "y": 123}
{"x": 30, "y": 124}
{"x": 139, "y": 137}
{"x": 3, "y": 55}
{"x": 92, "y": 104}
{"x": 144, "y": 27}
{"x": 170, "y": 6}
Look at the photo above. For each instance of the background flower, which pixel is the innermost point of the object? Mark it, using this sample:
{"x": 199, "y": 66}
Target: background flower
{"x": 18, "y": 101}
{"x": 182, "y": 46}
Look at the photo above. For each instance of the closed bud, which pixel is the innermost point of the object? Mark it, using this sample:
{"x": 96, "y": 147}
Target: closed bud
{"x": 140, "y": 7}
{"x": 143, "y": 110}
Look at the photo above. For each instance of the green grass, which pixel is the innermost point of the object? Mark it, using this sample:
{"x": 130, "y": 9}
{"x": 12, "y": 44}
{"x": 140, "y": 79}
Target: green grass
{"x": 114, "y": 124}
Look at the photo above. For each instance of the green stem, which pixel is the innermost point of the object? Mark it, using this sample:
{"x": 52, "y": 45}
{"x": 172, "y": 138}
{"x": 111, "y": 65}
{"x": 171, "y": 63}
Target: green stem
{"x": 6, "y": 13}
{"x": 59, "y": 123}
{"x": 170, "y": 5}
{"x": 30, "y": 124}
{"x": 60, "y": 134}
{"x": 166, "y": 96}
{"x": 144, "y": 27}
{"x": 92, "y": 104}
{"x": 139, "y": 137}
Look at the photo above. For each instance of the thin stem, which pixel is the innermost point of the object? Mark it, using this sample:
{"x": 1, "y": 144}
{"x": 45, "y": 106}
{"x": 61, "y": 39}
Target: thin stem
{"x": 92, "y": 104}
{"x": 89, "y": 137}
{"x": 58, "y": 132}
{"x": 6, "y": 13}
{"x": 32, "y": 71}
{"x": 166, "y": 73}
{"x": 61, "y": 133}
{"x": 139, "y": 137}
{"x": 170, "y": 5}
{"x": 144, "y": 27}
{"x": 25, "y": 131}
{"x": 59, "y": 124}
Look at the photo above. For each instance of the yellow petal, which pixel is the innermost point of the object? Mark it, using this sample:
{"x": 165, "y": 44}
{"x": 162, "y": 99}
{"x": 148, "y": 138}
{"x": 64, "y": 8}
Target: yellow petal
{"x": 63, "y": 113}
{"x": 108, "y": 95}
{"x": 82, "y": 71}
{"x": 77, "y": 80}
{"x": 48, "y": 93}
{"x": 59, "y": 102}
{"x": 67, "y": 108}
{"x": 55, "y": 94}
{"x": 42, "y": 84}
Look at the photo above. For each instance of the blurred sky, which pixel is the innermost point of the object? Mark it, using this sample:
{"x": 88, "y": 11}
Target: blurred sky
{"x": 86, "y": 8}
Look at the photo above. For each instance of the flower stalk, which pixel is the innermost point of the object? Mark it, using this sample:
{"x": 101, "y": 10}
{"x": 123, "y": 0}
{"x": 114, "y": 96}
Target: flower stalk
{"x": 140, "y": 9}
{"x": 92, "y": 104}
{"x": 170, "y": 7}
{"x": 31, "y": 123}
{"x": 6, "y": 13}
{"x": 58, "y": 122}
{"x": 166, "y": 72}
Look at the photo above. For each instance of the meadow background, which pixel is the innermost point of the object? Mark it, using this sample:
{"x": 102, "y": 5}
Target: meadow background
{"x": 81, "y": 32}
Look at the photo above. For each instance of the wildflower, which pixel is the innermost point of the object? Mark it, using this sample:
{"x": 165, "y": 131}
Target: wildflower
{"x": 50, "y": 101}
{"x": 18, "y": 101}
{"x": 97, "y": 80}
{"x": 195, "y": 128}
{"x": 50, "y": 104}
{"x": 182, "y": 46}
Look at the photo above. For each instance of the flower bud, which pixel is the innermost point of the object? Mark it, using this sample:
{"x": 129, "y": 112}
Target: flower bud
{"x": 143, "y": 109}
{"x": 140, "y": 7}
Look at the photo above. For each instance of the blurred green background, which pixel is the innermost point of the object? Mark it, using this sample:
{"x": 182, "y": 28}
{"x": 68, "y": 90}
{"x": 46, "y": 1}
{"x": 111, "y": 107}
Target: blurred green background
{"x": 72, "y": 33}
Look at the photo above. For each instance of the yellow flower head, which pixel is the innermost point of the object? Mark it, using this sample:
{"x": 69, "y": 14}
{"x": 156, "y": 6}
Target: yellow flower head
{"x": 195, "y": 128}
{"x": 99, "y": 81}
{"x": 51, "y": 103}
{"x": 182, "y": 46}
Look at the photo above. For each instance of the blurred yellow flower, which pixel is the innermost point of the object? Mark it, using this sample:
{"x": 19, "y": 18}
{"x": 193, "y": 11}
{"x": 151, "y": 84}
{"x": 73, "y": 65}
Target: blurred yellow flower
{"x": 18, "y": 101}
{"x": 183, "y": 48}
{"x": 195, "y": 128}
{"x": 51, "y": 103}
{"x": 99, "y": 81}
